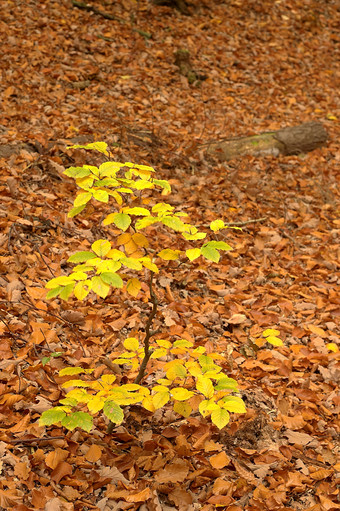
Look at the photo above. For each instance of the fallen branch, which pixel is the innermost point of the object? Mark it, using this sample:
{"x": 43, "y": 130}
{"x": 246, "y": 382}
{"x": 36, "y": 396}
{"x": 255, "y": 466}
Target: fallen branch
{"x": 295, "y": 140}
{"x": 246, "y": 222}
{"x": 107, "y": 16}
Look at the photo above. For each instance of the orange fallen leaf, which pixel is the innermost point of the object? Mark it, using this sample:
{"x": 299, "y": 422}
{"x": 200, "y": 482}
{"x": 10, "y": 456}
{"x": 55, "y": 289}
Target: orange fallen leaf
{"x": 55, "y": 457}
{"x": 93, "y": 454}
{"x": 142, "y": 496}
{"x": 219, "y": 460}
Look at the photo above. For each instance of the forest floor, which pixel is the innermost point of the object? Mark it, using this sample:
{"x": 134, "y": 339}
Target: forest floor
{"x": 70, "y": 75}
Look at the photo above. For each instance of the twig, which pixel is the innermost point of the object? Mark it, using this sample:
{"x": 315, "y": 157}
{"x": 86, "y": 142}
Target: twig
{"x": 46, "y": 264}
{"x": 12, "y": 334}
{"x": 246, "y": 222}
{"x": 241, "y": 224}
{"x": 86, "y": 7}
{"x": 33, "y": 440}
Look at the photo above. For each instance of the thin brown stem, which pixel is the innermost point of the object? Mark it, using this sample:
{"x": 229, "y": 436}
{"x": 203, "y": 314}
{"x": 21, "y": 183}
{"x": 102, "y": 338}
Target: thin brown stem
{"x": 148, "y": 333}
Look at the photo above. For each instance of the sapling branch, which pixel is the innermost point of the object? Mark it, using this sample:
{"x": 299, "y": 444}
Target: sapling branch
{"x": 148, "y": 333}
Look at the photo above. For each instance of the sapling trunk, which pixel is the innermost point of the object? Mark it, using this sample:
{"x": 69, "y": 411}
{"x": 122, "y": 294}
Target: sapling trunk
{"x": 146, "y": 342}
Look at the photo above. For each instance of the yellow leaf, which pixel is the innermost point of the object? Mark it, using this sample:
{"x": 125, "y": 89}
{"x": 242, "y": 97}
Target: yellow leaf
{"x": 182, "y": 408}
{"x": 82, "y": 289}
{"x": 99, "y": 287}
{"x": 332, "y": 347}
{"x": 140, "y": 240}
{"x": 149, "y": 264}
{"x": 95, "y": 404}
{"x": 124, "y": 238}
{"x": 133, "y": 287}
{"x": 101, "y": 247}
{"x": 275, "y": 341}
{"x": 207, "y": 406}
{"x": 160, "y": 399}
{"x": 220, "y": 418}
{"x": 108, "y": 379}
{"x": 169, "y": 255}
{"x": 205, "y": 386}
{"x": 233, "y": 404}
{"x": 216, "y": 225}
{"x": 131, "y": 344}
{"x": 181, "y": 394}
{"x": 270, "y": 331}
{"x": 193, "y": 253}
{"x": 147, "y": 403}
{"x": 163, "y": 343}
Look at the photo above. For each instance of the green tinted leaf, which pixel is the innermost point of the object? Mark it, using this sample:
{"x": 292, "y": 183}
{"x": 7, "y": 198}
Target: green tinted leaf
{"x": 100, "y": 195}
{"x": 97, "y": 146}
{"x": 210, "y": 253}
{"x": 77, "y": 172}
{"x": 122, "y": 221}
{"x": 74, "y": 211}
{"x": 163, "y": 184}
{"x": 100, "y": 287}
{"x": 176, "y": 371}
{"x": 82, "y": 199}
{"x": 112, "y": 279}
{"x": 169, "y": 255}
{"x": 113, "y": 412}
{"x": 219, "y": 245}
{"x": 182, "y": 343}
{"x": 63, "y": 280}
{"x": 226, "y": 384}
{"x": 54, "y": 292}
{"x": 81, "y": 257}
{"x": 66, "y": 292}
{"x": 52, "y": 416}
{"x": 78, "y": 420}
{"x": 173, "y": 222}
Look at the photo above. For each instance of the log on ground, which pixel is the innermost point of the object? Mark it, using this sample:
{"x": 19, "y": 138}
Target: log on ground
{"x": 288, "y": 141}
